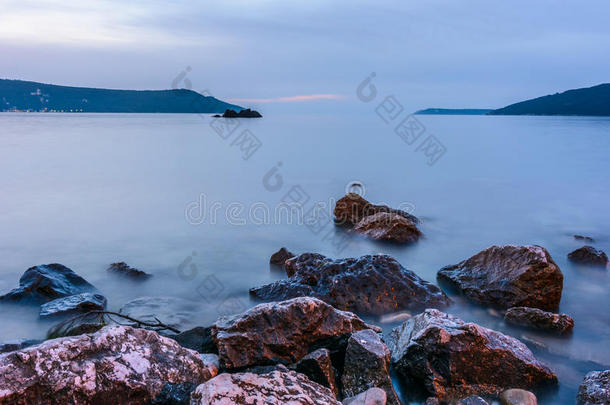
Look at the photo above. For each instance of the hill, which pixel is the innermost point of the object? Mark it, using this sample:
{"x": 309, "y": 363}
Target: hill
{"x": 453, "y": 111}
{"x": 18, "y": 95}
{"x": 587, "y": 101}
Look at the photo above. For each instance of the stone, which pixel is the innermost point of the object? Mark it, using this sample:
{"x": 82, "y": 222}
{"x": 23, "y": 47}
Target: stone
{"x": 508, "y": 276}
{"x": 247, "y": 113}
{"x": 372, "y": 284}
{"x": 174, "y": 394}
{"x": 198, "y": 339}
{"x": 175, "y": 312}
{"x": 388, "y": 226}
{"x": 83, "y": 302}
{"x": 47, "y": 282}
{"x": 584, "y": 238}
{"x": 87, "y": 323}
{"x": 117, "y": 364}
{"x": 517, "y": 397}
{"x": 538, "y": 319}
{"x": 372, "y": 396}
{"x": 595, "y": 389}
{"x": 473, "y": 400}
{"x": 279, "y": 332}
{"x": 279, "y": 257}
{"x": 352, "y": 208}
{"x": 11, "y": 346}
{"x": 367, "y": 365}
{"x": 590, "y": 256}
{"x": 124, "y": 270}
{"x": 454, "y": 359}
{"x": 317, "y": 366}
{"x": 275, "y": 387}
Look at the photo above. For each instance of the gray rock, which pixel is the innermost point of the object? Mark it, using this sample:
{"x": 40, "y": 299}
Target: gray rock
{"x": 124, "y": 270}
{"x": 372, "y": 396}
{"x": 367, "y": 365}
{"x": 389, "y": 227}
{"x": 83, "y": 302}
{"x": 589, "y": 255}
{"x": 86, "y": 323}
{"x": 318, "y": 367}
{"x": 198, "y": 339}
{"x": 538, "y": 319}
{"x": 518, "y": 397}
{"x": 595, "y": 389}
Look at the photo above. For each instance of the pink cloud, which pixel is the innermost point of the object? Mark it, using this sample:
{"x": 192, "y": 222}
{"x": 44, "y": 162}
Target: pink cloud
{"x": 291, "y": 99}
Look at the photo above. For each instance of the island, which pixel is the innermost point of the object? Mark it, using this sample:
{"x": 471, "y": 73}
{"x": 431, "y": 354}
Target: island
{"x": 25, "y": 96}
{"x": 454, "y": 111}
{"x": 247, "y": 113}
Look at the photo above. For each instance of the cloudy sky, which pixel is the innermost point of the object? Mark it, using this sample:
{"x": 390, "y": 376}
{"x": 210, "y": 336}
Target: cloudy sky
{"x": 432, "y": 53}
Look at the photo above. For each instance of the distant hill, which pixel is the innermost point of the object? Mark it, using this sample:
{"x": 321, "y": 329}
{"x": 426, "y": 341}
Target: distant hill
{"x": 18, "y": 95}
{"x": 453, "y": 111}
{"x": 588, "y": 101}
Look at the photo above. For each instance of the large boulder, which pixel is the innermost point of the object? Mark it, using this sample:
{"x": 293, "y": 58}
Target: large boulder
{"x": 595, "y": 389}
{"x": 317, "y": 365}
{"x": 538, "y": 319}
{"x": 453, "y": 359}
{"x": 388, "y": 226}
{"x": 367, "y": 365}
{"x": 589, "y": 255}
{"x": 47, "y": 282}
{"x": 118, "y": 364}
{"x": 372, "y": 284}
{"x": 275, "y": 387}
{"x": 122, "y": 269}
{"x": 352, "y": 208}
{"x": 280, "y": 332}
{"x": 83, "y": 302}
{"x": 508, "y": 276}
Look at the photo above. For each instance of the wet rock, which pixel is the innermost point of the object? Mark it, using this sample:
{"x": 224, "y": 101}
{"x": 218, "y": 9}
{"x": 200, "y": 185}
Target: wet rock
{"x": 454, "y": 359}
{"x": 279, "y": 331}
{"x": 595, "y": 389}
{"x": 84, "y": 302}
{"x": 118, "y": 364}
{"x": 518, "y": 397}
{"x": 367, "y": 365}
{"x": 584, "y": 238}
{"x": 279, "y": 257}
{"x": 589, "y": 255}
{"x": 388, "y": 226}
{"x": 124, "y": 270}
{"x": 473, "y": 400}
{"x": 276, "y": 387}
{"x": 174, "y": 394}
{"x": 175, "y": 312}
{"x": 247, "y": 113}
{"x": 318, "y": 367}
{"x": 372, "y": 396}
{"x": 352, "y": 208}
{"x": 538, "y": 319}
{"x": 508, "y": 276}
{"x": 11, "y": 346}
{"x": 47, "y": 282}
{"x": 87, "y": 323}
{"x": 432, "y": 401}
{"x": 198, "y": 339}
{"x": 372, "y": 284}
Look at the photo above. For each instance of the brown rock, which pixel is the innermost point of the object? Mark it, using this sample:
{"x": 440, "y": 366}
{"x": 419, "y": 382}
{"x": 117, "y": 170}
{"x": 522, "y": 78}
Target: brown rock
{"x": 538, "y": 319}
{"x": 515, "y": 396}
{"x": 352, "y": 208}
{"x": 388, "y": 226}
{"x": 124, "y": 270}
{"x": 279, "y": 257}
{"x": 589, "y": 255}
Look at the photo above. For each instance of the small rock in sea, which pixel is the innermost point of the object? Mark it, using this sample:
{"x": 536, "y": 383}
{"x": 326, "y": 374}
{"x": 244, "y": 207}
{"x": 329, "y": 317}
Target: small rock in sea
{"x": 372, "y": 284}
{"x": 174, "y": 394}
{"x": 217, "y": 116}
{"x": 589, "y": 255}
{"x": 247, "y": 113}
{"x": 508, "y": 276}
{"x": 318, "y": 367}
{"x": 538, "y": 319}
{"x": 280, "y": 332}
{"x": 47, "y": 282}
{"x": 105, "y": 367}
{"x": 123, "y": 269}
{"x": 352, "y": 208}
{"x": 279, "y": 257}
{"x": 275, "y": 387}
{"x": 585, "y": 238}
{"x": 84, "y": 302}
{"x": 515, "y": 396}
{"x": 372, "y": 396}
{"x": 11, "y": 346}
{"x": 389, "y": 227}
{"x": 367, "y": 365}
{"x": 175, "y": 312}
{"x": 453, "y": 359}
{"x": 86, "y": 323}
{"x": 198, "y": 339}
{"x": 395, "y": 317}
{"x": 595, "y": 389}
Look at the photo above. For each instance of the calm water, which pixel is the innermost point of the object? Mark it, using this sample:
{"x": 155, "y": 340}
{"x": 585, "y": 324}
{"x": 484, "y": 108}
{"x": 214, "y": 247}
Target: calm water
{"x": 89, "y": 190}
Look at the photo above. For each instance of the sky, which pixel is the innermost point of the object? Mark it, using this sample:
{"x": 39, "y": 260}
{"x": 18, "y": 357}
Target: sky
{"x": 428, "y": 53}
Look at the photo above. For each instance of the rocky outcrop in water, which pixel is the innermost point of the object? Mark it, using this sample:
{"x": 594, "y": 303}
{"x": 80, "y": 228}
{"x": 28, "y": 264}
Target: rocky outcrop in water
{"x": 317, "y": 366}
{"x": 372, "y": 396}
{"x": 590, "y": 256}
{"x": 595, "y": 389}
{"x": 584, "y": 238}
{"x": 115, "y": 365}
{"x": 279, "y": 257}
{"x": 276, "y": 387}
{"x": 84, "y": 302}
{"x": 124, "y": 270}
{"x": 47, "y": 282}
{"x": 538, "y": 319}
{"x": 508, "y": 276}
{"x": 352, "y": 208}
{"x": 279, "y": 332}
{"x": 247, "y": 113}
{"x": 373, "y": 284}
{"x": 455, "y": 359}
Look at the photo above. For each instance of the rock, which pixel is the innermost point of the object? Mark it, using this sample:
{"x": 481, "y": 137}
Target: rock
{"x": 87, "y": 323}
{"x": 454, "y": 359}
{"x": 508, "y": 276}
{"x": 174, "y": 394}
{"x": 372, "y": 396}
{"x": 276, "y": 387}
{"x": 11, "y": 346}
{"x": 585, "y": 238}
{"x": 388, "y": 226}
{"x": 595, "y": 389}
{"x": 517, "y": 397}
{"x": 589, "y": 255}
{"x": 198, "y": 339}
{"x": 318, "y": 368}
{"x": 84, "y": 302}
{"x": 47, "y": 282}
{"x": 175, "y": 312}
{"x": 118, "y": 364}
{"x": 124, "y": 270}
{"x": 352, "y": 208}
{"x": 279, "y": 257}
{"x": 279, "y": 331}
{"x": 395, "y": 317}
{"x": 372, "y": 284}
{"x": 432, "y": 401}
{"x": 473, "y": 400}
{"x": 367, "y": 365}
{"x": 539, "y": 319}
{"x": 247, "y": 113}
